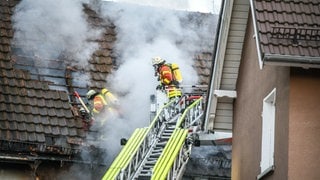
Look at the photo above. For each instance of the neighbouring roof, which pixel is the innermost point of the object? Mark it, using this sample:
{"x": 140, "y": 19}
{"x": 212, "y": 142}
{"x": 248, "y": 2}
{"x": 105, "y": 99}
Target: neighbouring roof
{"x": 38, "y": 111}
{"x": 288, "y": 28}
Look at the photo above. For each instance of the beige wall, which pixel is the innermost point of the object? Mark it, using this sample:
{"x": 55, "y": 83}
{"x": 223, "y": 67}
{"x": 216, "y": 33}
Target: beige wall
{"x": 252, "y": 86}
{"x": 304, "y": 125}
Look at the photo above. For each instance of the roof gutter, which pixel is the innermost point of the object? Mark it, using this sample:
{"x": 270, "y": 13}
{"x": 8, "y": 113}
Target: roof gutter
{"x": 288, "y": 60}
{"x": 256, "y": 33}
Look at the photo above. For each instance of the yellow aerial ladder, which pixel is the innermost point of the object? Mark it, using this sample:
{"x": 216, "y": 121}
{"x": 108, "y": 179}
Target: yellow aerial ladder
{"x": 162, "y": 150}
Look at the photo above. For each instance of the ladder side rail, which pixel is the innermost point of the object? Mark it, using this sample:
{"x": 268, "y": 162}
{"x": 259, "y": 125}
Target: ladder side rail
{"x": 137, "y": 157}
{"x": 124, "y": 154}
{"x": 193, "y": 117}
{"x": 159, "y": 118}
{"x": 135, "y": 162}
{"x": 131, "y": 165}
{"x": 169, "y": 154}
{"x": 181, "y": 161}
{"x": 192, "y": 114}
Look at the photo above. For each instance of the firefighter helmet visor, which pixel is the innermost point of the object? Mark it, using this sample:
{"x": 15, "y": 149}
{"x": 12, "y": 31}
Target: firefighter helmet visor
{"x": 91, "y": 93}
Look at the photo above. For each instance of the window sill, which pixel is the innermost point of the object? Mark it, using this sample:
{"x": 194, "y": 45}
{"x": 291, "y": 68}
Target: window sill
{"x": 265, "y": 172}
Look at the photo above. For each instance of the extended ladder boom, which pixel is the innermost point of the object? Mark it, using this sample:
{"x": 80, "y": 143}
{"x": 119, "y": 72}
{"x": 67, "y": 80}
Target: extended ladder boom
{"x": 162, "y": 150}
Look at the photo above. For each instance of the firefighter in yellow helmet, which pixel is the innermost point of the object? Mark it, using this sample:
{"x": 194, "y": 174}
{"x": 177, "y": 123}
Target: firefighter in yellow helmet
{"x": 169, "y": 76}
{"x": 101, "y": 100}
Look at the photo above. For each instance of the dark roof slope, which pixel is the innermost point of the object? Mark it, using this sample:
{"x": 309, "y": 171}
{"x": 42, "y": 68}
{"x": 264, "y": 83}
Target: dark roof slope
{"x": 37, "y": 106}
{"x": 30, "y": 113}
{"x": 289, "y": 27}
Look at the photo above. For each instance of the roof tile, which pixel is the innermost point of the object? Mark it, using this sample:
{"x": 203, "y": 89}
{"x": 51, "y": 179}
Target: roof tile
{"x": 13, "y": 125}
{"x": 32, "y": 137}
{"x": 47, "y": 129}
{"x": 34, "y": 110}
{"x": 71, "y": 123}
{"x": 22, "y": 127}
{"x": 62, "y": 122}
{"x": 64, "y": 131}
{"x": 54, "y": 121}
{"x": 72, "y": 131}
{"x": 23, "y": 136}
{"x": 43, "y": 111}
{"x": 4, "y": 125}
{"x": 30, "y": 127}
{"x": 39, "y": 128}
{"x": 15, "y": 135}
{"x": 51, "y": 112}
{"x": 55, "y": 130}
{"x": 41, "y": 138}
{"x": 44, "y": 120}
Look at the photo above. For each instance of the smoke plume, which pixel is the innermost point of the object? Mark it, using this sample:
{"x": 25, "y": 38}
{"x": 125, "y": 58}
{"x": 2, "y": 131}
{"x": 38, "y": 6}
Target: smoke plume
{"x": 144, "y": 32}
{"x": 49, "y": 28}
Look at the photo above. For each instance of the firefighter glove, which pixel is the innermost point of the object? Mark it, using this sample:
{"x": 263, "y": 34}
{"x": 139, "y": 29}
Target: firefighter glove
{"x": 160, "y": 87}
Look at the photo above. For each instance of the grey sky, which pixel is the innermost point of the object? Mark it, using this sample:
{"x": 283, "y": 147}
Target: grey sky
{"x": 206, "y": 6}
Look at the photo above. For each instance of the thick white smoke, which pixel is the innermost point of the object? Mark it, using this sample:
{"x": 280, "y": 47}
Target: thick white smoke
{"x": 144, "y": 32}
{"x": 51, "y": 27}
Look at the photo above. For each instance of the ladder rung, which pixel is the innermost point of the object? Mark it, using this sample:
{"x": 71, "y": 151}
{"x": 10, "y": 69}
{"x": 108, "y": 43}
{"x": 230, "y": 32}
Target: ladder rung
{"x": 172, "y": 123}
{"x": 146, "y": 172}
{"x": 166, "y": 138}
{"x": 151, "y": 160}
{"x": 157, "y": 154}
{"x": 166, "y": 134}
{"x": 161, "y": 143}
{"x": 157, "y": 150}
{"x": 168, "y": 131}
{"x": 148, "y": 167}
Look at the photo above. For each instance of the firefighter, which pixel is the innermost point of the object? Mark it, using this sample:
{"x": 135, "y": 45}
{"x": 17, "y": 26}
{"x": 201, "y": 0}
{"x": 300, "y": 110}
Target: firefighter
{"x": 169, "y": 76}
{"x": 101, "y": 100}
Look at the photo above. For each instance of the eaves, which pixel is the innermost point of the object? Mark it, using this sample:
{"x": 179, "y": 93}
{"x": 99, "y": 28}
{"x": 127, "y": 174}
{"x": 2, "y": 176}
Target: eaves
{"x": 293, "y": 61}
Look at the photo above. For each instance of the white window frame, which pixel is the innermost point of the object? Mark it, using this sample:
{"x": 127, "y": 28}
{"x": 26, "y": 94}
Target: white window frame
{"x": 268, "y": 133}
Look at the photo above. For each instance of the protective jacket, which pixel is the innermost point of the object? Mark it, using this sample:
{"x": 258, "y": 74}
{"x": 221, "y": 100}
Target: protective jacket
{"x": 105, "y": 99}
{"x": 165, "y": 73}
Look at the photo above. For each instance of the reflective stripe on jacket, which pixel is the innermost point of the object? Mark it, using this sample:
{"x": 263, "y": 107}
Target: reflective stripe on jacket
{"x": 173, "y": 92}
{"x": 165, "y": 74}
{"x": 98, "y": 103}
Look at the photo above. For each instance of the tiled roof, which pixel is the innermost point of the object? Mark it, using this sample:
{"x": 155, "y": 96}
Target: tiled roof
{"x": 288, "y": 27}
{"x": 36, "y": 101}
{"x": 37, "y": 105}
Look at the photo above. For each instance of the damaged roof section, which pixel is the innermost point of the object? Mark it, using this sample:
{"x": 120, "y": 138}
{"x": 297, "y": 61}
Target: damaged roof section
{"x": 38, "y": 111}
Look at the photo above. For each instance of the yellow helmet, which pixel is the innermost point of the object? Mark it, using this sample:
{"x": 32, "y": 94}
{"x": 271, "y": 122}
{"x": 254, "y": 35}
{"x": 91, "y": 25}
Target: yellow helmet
{"x": 91, "y": 93}
{"x": 157, "y": 60}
